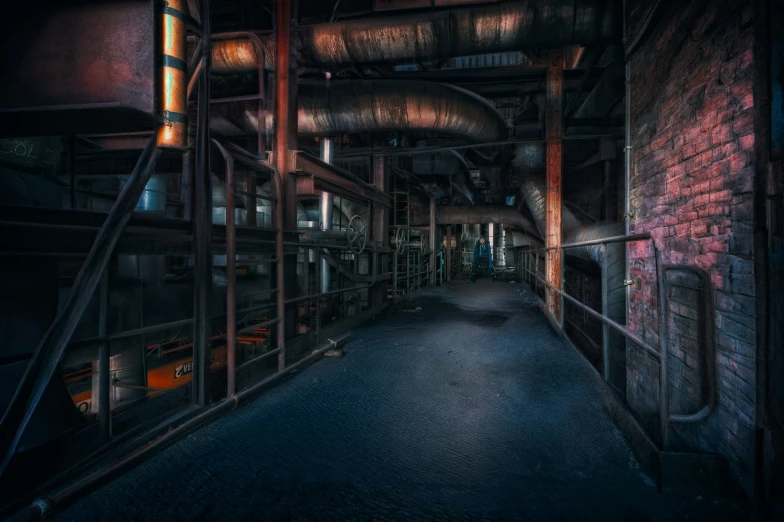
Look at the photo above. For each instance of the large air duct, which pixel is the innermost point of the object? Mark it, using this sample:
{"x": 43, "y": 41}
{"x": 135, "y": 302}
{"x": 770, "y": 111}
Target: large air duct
{"x": 377, "y": 105}
{"x": 449, "y": 163}
{"x": 479, "y": 215}
{"x": 534, "y": 192}
{"x": 432, "y": 35}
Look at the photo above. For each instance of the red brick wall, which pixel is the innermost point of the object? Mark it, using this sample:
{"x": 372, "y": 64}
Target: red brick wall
{"x": 691, "y": 187}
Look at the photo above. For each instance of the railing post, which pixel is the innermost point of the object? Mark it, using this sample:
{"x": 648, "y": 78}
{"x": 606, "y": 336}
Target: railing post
{"x": 562, "y": 286}
{"x": 318, "y": 299}
{"x": 605, "y": 311}
{"x": 104, "y": 367}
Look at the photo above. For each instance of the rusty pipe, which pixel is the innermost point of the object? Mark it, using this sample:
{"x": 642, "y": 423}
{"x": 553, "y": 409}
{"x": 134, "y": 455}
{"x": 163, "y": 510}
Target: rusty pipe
{"x": 379, "y": 105}
{"x": 224, "y": 49}
{"x": 231, "y": 274}
{"x": 173, "y": 134}
{"x": 509, "y": 26}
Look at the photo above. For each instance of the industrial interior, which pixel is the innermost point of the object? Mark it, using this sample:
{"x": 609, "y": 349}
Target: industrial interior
{"x": 392, "y": 260}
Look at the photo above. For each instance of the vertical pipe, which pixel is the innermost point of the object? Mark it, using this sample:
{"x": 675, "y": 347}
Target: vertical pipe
{"x": 186, "y": 186}
{"x": 394, "y": 276}
{"x": 380, "y": 227}
{"x": 202, "y": 221}
{"x": 327, "y": 202}
{"x": 72, "y": 167}
{"x": 250, "y": 198}
{"x": 231, "y": 274}
{"x": 553, "y": 127}
{"x": 606, "y": 313}
{"x": 432, "y": 241}
{"x": 318, "y": 299}
{"x": 491, "y": 240}
{"x": 104, "y": 407}
{"x": 282, "y": 135}
{"x": 459, "y": 248}
{"x": 173, "y": 134}
{"x": 664, "y": 356}
{"x": 448, "y": 252}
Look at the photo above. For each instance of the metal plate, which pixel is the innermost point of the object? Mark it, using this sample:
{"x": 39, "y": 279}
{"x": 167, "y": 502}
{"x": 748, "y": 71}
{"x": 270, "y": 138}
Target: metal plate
{"x": 77, "y": 67}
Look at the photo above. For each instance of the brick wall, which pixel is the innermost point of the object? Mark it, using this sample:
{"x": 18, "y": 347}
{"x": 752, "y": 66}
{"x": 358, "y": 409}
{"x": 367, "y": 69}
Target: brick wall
{"x": 691, "y": 187}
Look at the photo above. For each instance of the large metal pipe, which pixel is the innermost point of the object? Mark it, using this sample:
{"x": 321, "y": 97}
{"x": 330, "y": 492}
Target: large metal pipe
{"x": 477, "y": 215}
{"x": 450, "y": 163}
{"x": 534, "y": 193}
{"x": 377, "y": 105}
{"x": 173, "y": 76}
{"x": 509, "y": 26}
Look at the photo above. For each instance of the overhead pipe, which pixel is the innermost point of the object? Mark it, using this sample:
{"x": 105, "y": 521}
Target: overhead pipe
{"x": 477, "y": 215}
{"x": 378, "y": 105}
{"x": 436, "y": 35}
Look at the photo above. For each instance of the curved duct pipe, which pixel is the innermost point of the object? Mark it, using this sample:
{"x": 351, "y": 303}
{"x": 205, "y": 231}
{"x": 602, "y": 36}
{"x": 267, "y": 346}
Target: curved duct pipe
{"x": 534, "y": 193}
{"x": 440, "y": 34}
{"x": 376, "y": 105}
{"x": 379, "y": 105}
{"x": 446, "y": 163}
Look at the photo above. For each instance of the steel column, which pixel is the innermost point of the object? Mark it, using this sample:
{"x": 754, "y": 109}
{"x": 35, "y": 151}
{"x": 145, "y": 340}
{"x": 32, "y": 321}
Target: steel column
{"x": 380, "y": 227}
{"x": 554, "y": 131}
{"x": 202, "y": 221}
{"x": 432, "y": 241}
{"x": 284, "y": 125}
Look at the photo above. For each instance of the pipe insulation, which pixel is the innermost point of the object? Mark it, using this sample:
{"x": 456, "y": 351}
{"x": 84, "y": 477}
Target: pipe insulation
{"x": 430, "y": 35}
{"x": 377, "y": 105}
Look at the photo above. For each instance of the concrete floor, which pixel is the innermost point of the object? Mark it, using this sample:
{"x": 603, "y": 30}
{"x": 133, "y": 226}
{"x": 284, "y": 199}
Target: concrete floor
{"x": 469, "y": 409}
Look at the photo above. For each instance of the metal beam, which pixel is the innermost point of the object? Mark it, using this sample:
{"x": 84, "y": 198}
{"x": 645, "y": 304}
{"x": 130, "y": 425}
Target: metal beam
{"x": 432, "y": 242}
{"x": 46, "y": 357}
{"x": 202, "y": 222}
{"x": 323, "y": 175}
{"x": 554, "y": 130}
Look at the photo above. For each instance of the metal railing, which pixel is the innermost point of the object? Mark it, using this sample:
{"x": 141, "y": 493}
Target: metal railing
{"x": 528, "y": 262}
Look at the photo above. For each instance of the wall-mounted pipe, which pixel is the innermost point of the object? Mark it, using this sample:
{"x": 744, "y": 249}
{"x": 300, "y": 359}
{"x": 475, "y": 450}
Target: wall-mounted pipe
{"x": 509, "y": 26}
{"x": 378, "y": 105}
{"x": 173, "y": 134}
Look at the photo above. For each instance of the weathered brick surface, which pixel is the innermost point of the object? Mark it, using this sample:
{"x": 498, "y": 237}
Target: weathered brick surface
{"x": 691, "y": 187}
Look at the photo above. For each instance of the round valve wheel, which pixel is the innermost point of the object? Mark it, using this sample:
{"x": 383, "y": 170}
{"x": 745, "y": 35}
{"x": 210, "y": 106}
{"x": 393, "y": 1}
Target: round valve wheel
{"x": 400, "y": 240}
{"x": 424, "y": 242}
{"x": 357, "y": 235}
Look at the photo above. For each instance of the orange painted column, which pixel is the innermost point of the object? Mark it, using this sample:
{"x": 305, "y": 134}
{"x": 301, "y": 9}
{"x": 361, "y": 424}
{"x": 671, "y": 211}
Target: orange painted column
{"x": 553, "y": 132}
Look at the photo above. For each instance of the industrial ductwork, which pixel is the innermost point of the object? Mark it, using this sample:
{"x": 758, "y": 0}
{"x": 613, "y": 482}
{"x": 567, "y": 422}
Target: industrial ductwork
{"x": 440, "y": 34}
{"x": 447, "y": 215}
{"x": 533, "y": 189}
{"x": 378, "y": 105}
{"x": 449, "y": 163}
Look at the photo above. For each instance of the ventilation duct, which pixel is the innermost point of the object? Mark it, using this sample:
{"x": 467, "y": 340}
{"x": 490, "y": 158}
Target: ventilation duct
{"x": 449, "y": 163}
{"x": 534, "y": 193}
{"x": 439, "y": 34}
{"x": 377, "y": 105}
{"x": 447, "y": 215}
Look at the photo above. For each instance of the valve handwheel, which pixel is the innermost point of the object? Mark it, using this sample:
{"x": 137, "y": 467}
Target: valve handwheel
{"x": 424, "y": 243}
{"x": 357, "y": 235}
{"x": 400, "y": 240}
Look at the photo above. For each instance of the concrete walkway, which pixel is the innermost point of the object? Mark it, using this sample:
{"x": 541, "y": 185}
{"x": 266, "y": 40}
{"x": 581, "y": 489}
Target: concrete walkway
{"x": 468, "y": 409}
